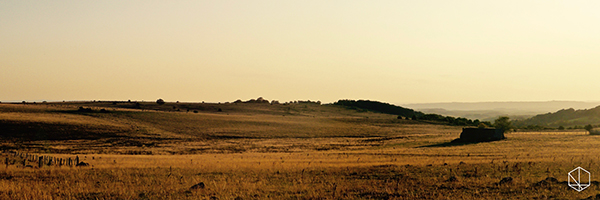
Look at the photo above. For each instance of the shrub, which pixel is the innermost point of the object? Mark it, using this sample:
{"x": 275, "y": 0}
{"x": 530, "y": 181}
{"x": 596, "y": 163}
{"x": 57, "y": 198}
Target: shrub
{"x": 160, "y": 102}
{"x": 481, "y": 125}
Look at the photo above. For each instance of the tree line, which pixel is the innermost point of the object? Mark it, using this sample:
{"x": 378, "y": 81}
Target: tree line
{"x": 402, "y": 112}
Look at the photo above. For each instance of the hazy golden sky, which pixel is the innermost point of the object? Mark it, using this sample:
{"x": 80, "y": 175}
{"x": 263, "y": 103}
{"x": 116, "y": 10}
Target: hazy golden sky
{"x": 392, "y": 51}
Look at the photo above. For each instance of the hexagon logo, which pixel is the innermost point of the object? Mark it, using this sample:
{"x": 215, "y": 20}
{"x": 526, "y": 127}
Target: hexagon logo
{"x": 579, "y": 179}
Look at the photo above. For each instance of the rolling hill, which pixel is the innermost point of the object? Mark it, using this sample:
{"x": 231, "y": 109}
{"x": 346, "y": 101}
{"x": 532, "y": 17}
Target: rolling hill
{"x": 491, "y": 110}
{"x": 405, "y": 113}
{"x": 565, "y": 117}
{"x": 84, "y": 126}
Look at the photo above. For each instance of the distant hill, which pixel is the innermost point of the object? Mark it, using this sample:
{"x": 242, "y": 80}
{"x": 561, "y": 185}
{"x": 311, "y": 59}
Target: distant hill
{"x": 565, "y": 117}
{"x": 484, "y": 115}
{"x": 491, "y": 110}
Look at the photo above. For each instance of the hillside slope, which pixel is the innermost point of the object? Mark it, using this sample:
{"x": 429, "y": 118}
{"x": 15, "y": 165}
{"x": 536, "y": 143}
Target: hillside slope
{"x": 565, "y": 117}
{"x": 175, "y": 127}
{"x": 67, "y": 127}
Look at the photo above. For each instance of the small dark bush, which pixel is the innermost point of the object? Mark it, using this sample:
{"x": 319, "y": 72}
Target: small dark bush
{"x": 82, "y": 109}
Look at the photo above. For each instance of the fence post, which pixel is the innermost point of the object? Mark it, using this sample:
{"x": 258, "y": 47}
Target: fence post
{"x": 40, "y": 161}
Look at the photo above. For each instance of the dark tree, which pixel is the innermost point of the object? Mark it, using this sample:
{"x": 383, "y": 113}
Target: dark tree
{"x": 588, "y": 127}
{"x": 503, "y": 123}
{"x": 160, "y": 102}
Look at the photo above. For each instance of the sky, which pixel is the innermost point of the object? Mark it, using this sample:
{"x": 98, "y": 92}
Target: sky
{"x": 218, "y": 51}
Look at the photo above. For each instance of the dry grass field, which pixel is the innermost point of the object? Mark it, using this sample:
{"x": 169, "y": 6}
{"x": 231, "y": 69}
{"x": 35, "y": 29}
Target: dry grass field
{"x": 263, "y": 151}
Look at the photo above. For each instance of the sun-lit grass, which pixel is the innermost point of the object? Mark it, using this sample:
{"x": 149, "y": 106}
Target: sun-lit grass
{"x": 321, "y": 153}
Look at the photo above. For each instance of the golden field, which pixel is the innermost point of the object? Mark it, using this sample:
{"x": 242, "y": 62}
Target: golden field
{"x": 263, "y": 151}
